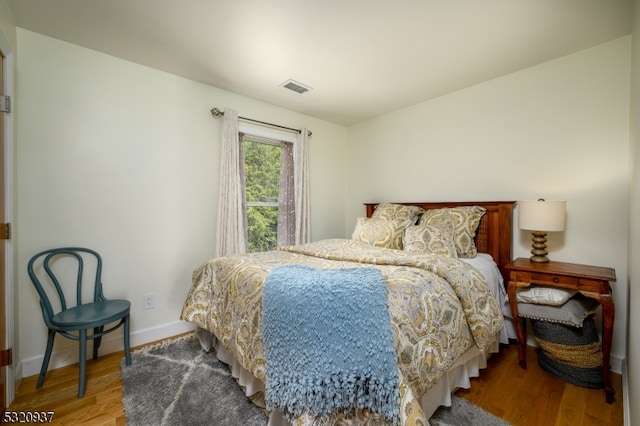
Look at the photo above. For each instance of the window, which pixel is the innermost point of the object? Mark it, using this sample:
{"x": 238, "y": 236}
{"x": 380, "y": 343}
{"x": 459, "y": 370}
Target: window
{"x": 266, "y": 176}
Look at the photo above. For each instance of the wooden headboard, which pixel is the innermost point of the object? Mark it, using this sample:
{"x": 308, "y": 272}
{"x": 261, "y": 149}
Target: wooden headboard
{"x": 494, "y": 235}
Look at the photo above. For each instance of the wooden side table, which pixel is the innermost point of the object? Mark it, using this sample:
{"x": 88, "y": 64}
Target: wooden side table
{"x": 591, "y": 281}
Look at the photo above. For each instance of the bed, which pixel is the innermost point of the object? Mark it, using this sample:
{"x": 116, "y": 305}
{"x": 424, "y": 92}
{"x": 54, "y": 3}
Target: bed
{"x": 447, "y": 313}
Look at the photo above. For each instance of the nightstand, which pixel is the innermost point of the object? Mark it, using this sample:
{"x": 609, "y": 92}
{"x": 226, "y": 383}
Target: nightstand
{"x": 591, "y": 281}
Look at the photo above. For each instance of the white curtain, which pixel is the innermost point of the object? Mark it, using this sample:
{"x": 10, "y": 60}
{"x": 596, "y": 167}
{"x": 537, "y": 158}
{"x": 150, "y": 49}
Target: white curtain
{"x": 286, "y": 199}
{"x": 231, "y": 230}
{"x": 301, "y": 184}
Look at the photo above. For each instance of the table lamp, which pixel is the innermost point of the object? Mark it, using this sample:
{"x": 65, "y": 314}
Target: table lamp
{"x": 539, "y": 217}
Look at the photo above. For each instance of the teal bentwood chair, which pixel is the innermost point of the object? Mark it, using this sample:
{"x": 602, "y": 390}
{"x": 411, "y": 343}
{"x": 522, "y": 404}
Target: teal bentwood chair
{"x": 56, "y": 271}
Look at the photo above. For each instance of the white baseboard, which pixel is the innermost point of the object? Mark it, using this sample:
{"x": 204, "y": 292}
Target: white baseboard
{"x": 110, "y": 343}
{"x": 626, "y": 409}
{"x": 616, "y": 363}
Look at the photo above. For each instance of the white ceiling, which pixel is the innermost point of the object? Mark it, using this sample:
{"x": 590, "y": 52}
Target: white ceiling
{"x": 363, "y": 58}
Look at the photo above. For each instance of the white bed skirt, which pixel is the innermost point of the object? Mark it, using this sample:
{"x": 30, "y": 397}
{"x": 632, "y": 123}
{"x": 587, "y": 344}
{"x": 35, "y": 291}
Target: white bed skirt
{"x": 468, "y": 366}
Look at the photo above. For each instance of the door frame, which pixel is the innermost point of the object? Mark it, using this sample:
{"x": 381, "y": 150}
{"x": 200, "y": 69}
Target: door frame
{"x": 10, "y": 325}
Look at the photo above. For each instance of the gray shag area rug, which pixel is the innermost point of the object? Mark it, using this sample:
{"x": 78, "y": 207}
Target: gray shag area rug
{"x": 178, "y": 383}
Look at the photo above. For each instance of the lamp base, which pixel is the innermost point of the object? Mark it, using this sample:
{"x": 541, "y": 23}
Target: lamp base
{"x": 539, "y": 247}
{"x": 539, "y": 259}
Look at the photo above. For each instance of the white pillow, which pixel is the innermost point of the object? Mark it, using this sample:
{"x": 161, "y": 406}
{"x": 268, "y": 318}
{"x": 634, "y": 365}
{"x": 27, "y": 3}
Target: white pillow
{"x": 545, "y": 295}
{"x": 572, "y": 313}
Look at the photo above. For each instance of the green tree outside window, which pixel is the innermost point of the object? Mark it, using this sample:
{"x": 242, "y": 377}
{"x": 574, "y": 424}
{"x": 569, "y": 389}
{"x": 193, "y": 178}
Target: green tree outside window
{"x": 262, "y": 174}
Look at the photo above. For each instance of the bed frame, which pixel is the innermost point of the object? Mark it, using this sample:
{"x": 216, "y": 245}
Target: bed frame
{"x": 494, "y": 235}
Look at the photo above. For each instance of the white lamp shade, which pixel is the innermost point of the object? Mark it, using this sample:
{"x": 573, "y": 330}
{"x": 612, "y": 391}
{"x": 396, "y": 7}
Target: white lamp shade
{"x": 542, "y": 215}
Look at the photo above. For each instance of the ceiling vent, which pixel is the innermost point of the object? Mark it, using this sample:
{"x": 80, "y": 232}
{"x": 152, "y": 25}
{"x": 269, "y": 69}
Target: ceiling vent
{"x": 295, "y": 86}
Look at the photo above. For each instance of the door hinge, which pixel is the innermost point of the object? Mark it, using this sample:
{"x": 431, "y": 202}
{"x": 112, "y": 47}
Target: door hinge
{"x": 5, "y": 231}
{"x": 6, "y": 357}
{"x": 5, "y": 103}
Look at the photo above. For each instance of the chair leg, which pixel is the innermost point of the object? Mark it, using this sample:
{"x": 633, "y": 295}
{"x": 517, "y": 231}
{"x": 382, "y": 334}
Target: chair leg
{"x": 47, "y": 357}
{"x": 127, "y": 349}
{"x": 83, "y": 363}
{"x": 97, "y": 341}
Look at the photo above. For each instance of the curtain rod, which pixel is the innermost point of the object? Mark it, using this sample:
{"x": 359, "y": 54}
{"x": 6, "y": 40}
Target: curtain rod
{"x": 218, "y": 113}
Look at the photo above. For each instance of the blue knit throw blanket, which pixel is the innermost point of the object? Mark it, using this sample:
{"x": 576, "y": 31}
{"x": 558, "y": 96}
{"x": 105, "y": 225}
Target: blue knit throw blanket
{"x": 328, "y": 343}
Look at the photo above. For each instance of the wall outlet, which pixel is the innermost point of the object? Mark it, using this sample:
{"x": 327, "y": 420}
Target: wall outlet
{"x": 149, "y": 301}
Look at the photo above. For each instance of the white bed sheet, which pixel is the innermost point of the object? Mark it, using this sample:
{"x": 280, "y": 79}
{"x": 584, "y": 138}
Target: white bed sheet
{"x": 485, "y": 264}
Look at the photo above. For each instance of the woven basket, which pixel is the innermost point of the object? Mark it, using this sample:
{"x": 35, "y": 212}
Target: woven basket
{"x": 571, "y": 354}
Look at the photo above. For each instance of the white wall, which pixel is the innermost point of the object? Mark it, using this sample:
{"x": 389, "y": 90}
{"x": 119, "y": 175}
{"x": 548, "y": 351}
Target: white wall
{"x": 633, "y": 348}
{"x": 7, "y": 24}
{"x": 124, "y": 159}
{"x": 8, "y": 49}
{"x": 558, "y": 131}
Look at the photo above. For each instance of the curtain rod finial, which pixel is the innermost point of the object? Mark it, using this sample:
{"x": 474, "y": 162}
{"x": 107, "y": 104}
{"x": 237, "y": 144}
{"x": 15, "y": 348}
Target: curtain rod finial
{"x": 216, "y": 112}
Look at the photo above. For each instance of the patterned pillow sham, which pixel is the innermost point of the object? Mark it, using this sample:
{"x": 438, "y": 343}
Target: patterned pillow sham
{"x": 390, "y": 211}
{"x": 430, "y": 239}
{"x": 465, "y": 221}
{"x": 380, "y": 232}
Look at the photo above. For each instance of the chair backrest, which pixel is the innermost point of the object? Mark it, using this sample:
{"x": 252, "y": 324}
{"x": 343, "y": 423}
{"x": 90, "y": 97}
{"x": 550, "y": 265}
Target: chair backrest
{"x": 55, "y": 270}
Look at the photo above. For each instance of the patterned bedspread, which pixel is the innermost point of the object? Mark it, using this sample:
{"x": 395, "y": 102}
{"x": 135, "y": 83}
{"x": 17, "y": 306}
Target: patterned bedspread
{"x": 439, "y": 307}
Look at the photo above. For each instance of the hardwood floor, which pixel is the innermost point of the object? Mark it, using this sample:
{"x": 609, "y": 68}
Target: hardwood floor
{"x": 531, "y": 397}
{"x": 522, "y": 397}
